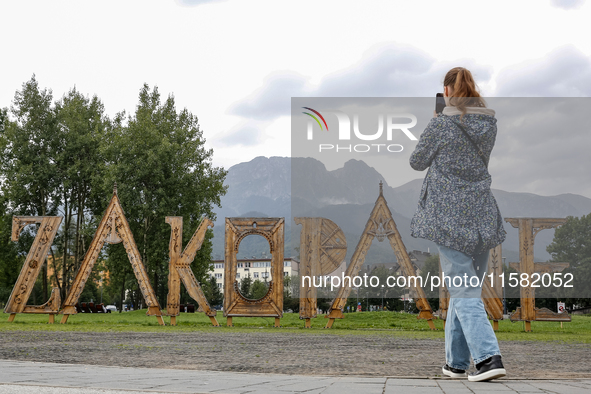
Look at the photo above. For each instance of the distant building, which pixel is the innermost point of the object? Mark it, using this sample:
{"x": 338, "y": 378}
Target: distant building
{"x": 257, "y": 268}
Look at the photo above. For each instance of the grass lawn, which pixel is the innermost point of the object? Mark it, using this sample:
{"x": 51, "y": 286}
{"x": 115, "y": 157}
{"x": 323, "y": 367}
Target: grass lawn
{"x": 359, "y": 323}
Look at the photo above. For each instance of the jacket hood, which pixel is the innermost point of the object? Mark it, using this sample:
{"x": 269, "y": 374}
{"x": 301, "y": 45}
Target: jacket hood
{"x": 450, "y": 111}
{"x": 477, "y": 126}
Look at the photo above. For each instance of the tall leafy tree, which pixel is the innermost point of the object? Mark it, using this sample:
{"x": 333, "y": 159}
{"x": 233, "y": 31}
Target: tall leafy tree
{"x": 10, "y": 261}
{"x": 3, "y": 120}
{"x": 81, "y": 128}
{"x": 212, "y": 292}
{"x": 258, "y": 289}
{"x": 64, "y": 158}
{"x": 29, "y": 162}
{"x": 572, "y": 244}
{"x": 246, "y": 286}
{"x": 159, "y": 161}
{"x": 28, "y": 168}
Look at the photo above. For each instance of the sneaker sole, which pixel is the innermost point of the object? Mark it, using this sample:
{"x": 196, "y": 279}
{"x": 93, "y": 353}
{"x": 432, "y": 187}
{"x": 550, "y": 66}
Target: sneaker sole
{"x": 453, "y": 375}
{"x": 488, "y": 375}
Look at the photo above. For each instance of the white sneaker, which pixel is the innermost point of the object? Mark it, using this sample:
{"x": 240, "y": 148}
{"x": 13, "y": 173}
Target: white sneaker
{"x": 453, "y": 372}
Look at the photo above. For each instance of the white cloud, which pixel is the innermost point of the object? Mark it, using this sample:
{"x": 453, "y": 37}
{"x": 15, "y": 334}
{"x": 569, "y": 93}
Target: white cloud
{"x": 385, "y": 70}
{"x": 249, "y": 133}
{"x": 542, "y": 145}
{"x": 567, "y": 4}
{"x": 564, "y": 72}
{"x": 273, "y": 98}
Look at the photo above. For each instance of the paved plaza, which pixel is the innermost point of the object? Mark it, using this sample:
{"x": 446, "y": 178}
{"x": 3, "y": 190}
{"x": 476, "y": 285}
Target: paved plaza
{"x": 48, "y": 378}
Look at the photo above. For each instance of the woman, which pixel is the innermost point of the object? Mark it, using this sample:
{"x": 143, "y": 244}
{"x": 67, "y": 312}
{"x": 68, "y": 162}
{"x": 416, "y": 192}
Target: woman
{"x": 458, "y": 212}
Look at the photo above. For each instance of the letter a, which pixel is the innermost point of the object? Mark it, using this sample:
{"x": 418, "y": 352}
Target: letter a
{"x": 112, "y": 229}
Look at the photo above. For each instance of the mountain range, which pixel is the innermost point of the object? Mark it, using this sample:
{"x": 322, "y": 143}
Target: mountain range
{"x": 263, "y": 186}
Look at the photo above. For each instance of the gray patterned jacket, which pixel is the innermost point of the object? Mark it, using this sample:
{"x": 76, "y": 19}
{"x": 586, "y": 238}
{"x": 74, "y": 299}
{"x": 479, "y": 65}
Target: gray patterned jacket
{"x": 456, "y": 206}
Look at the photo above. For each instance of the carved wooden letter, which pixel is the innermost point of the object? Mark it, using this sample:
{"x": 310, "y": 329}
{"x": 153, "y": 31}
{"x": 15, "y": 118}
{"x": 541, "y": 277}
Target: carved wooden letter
{"x": 323, "y": 248}
{"x": 179, "y": 268}
{"x": 380, "y": 225}
{"x": 32, "y": 266}
{"x": 235, "y": 304}
{"x": 113, "y": 229}
{"x": 528, "y": 229}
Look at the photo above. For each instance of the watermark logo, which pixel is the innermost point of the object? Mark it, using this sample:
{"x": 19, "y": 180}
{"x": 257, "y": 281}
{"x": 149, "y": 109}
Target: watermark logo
{"x": 389, "y": 126}
{"x": 316, "y": 119}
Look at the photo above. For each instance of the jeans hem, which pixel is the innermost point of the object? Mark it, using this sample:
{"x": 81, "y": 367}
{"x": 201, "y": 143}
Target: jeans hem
{"x": 481, "y": 359}
{"x": 456, "y": 366}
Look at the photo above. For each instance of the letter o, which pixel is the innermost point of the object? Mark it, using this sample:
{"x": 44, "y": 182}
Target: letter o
{"x": 355, "y": 280}
{"x": 395, "y": 151}
{"x": 361, "y": 151}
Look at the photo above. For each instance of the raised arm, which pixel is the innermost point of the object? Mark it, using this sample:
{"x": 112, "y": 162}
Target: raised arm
{"x": 427, "y": 147}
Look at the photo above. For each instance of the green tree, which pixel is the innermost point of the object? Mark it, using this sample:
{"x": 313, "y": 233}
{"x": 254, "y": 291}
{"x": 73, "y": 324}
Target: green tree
{"x": 291, "y": 294}
{"x": 258, "y": 289}
{"x": 28, "y": 146}
{"x": 162, "y": 168}
{"x": 213, "y": 294}
{"x": 572, "y": 244}
{"x": 82, "y": 126}
{"x": 10, "y": 260}
{"x": 51, "y": 161}
{"x": 28, "y": 165}
{"x": 246, "y": 286}
{"x": 69, "y": 156}
{"x": 3, "y": 121}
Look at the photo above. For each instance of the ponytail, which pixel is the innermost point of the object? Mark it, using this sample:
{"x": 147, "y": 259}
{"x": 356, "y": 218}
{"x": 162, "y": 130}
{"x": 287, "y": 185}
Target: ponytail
{"x": 465, "y": 92}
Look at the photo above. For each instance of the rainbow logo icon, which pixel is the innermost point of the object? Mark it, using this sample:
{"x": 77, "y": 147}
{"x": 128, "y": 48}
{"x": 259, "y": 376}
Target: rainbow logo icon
{"x": 315, "y": 118}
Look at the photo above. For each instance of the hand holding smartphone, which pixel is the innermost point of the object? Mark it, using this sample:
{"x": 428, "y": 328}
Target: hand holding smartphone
{"x": 439, "y": 103}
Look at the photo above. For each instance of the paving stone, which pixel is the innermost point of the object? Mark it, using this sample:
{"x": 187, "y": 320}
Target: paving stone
{"x": 494, "y": 385}
{"x": 46, "y": 378}
{"x": 522, "y": 387}
{"x": 413, "y": 382}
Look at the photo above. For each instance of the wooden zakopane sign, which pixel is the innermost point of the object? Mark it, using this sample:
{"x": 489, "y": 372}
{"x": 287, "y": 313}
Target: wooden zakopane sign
{"x": 112, "y": 229}
{"x": 323, "y": 248}
{"x": 17, "y": 302}
{"x": 179, "y": 268}
{"x": 380, "y": 225}
{"x": 528, "y": 229}
{"x": 492, "y": 293}
{"x": 271, "y": 304}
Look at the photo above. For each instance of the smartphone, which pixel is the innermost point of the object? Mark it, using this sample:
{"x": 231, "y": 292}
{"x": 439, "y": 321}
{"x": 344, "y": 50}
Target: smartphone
{"x": 439, "y": 103}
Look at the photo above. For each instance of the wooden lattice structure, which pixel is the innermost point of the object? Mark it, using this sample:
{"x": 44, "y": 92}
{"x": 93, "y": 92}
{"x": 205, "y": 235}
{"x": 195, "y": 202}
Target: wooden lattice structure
{"x": 271, "y": 304}
{"x": 112, "y": 229}
{"x": 528, "y": 229}
{"x": 380, "y": 225}
{"x": 322, "y": 249}
{"x": 179, "y": 268}
{"x": 17, "y": 302}
{"x": 492, "y": 293}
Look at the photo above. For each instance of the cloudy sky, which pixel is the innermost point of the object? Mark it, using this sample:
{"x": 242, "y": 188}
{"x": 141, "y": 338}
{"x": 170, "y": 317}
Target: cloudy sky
{"x": 237, "y": 63}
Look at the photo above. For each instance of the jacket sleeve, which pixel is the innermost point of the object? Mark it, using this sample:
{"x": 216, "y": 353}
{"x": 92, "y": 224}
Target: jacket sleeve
{"x": 427, "y": 147}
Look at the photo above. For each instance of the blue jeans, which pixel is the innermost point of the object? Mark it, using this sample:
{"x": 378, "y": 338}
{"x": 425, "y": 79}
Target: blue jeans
{"x": 467, "y": 329}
